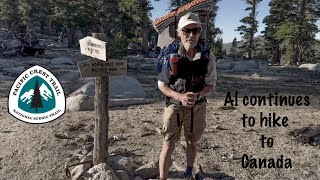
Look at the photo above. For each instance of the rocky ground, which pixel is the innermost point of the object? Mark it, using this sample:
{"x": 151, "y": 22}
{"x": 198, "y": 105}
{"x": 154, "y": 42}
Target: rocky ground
{"x": 37, "y": 152}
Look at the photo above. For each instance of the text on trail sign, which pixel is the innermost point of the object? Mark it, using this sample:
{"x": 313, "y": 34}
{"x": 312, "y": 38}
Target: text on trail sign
{"x": 93, "y": 47}
{"x": 95, "y": 68}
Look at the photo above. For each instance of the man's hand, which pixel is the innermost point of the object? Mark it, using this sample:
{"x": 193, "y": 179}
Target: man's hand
{"x": 188, "y": 99}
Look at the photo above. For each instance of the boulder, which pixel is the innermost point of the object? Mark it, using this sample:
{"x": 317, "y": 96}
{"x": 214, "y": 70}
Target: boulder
{"x": 152, "y": 54}
{"x": 123, "y": 90}
{"x": 225, "y": 64}
{"x": 62, "y": 60}
{"x": 125, "y": 87}
{"x": 80, "y": 102}
{"x": 311, "y": 67}
{"x": 51, "y": 55}
{"x": 13, "y": 44}
{"x": 120, "y": 87}
{"x": 122, "y": 175}
{"x": 120, "y": 162}
{"x": 263, "y": 66}
{"x": 243, "y": 66}
{"x": 14, "y": 71}
{"x": 147, "y": 66}
{"x": 9, "y": 53}
{"x": 65, "y": 75}
{"x": 101, "y": 172}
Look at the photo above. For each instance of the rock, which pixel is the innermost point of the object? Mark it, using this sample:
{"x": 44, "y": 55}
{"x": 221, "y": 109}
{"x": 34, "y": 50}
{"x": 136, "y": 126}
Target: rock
{"x": 4, "y": 77}
{"x": 243, "y": 66}
{"x": 263, "y": 66}
{"x": 120, "y": 87}
{"x": 64, "y": 75}
{"x": 225, "y": 64}
{"x": 79, "y": 170}
{"x": 138, "y": 178}
{"x": 101, "y": 172}
{"x": 125, "y": 87}
{"x": 9, "y": 53}
{"x": 128, "y": 101}
{"x": 50, "y": 55}
{"x": 122, "y": 175}
{"x": 78, "y": 57}
{"x": 255, "y": 75}
{"x": 147, "y": 171}
{"x": 120, "y": 162}
{"x": 152, "y": 54}
{"x": 80, "y": 102}
{"x": 87, "y": 89}
{"x": 14, "y": 71}
{"x": 147, "y": 66}
{"x": 134, "y": 57}
{"x": 132, "y": 65}
{"x": 123, "y": 90}
{"x": 62, "y": 60}
{"x": 311, "y": 67}
{"x": 13, "y": 44}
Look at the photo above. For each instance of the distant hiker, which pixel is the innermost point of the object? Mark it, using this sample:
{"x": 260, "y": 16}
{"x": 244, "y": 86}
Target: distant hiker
{"x": 185, "y": 81}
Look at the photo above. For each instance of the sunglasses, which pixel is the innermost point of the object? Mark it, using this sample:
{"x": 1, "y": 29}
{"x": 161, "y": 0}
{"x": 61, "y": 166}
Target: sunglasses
{"x": 194, "y": 30}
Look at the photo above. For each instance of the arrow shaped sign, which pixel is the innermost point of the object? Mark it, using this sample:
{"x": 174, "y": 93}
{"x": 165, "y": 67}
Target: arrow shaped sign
{"x": 94, "y": 48}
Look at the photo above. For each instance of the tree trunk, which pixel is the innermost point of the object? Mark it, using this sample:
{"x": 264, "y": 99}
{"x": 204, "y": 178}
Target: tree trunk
{"x": 145, "y": 47}
{"x": 253, "y": 27}
{"x": 276, "y": 56}
{"x": 145, "y": 30}
{"x": 71, "y": 32}
{"x": 302, "y": 13}
{"x": 49, "y": 28}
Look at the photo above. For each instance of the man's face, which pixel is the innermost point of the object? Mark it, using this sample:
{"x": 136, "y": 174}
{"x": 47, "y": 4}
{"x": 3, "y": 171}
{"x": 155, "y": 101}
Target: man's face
{"x": 189, "y": 35}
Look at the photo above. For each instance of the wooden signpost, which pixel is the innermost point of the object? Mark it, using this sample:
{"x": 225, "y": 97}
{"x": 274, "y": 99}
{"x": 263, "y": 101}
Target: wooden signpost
{"x": 100, "y": 68}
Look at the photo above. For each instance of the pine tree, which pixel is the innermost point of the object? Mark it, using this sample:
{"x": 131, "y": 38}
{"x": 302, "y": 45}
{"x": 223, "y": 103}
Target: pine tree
{"x": 9, "y": 13}
{"x": 234, "y": 46}
{"x": 217, "y": 49}
{"x": 291, "y": 28}
{"x": 249, "y": 27}
{"x": 139, "y": 12}
{"x": 36, "y": 99}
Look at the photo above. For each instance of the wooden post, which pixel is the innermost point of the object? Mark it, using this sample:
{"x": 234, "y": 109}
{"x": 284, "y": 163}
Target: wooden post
{"x": 100, "y": 150}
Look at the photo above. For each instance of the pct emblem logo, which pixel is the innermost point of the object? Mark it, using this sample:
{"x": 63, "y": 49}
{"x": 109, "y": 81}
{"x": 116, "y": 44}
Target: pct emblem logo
{"x": 36, "y": 96}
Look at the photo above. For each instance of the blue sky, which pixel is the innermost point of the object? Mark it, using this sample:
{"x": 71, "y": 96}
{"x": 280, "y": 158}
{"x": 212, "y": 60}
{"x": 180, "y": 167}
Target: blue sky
{"x": 228, "y": 16}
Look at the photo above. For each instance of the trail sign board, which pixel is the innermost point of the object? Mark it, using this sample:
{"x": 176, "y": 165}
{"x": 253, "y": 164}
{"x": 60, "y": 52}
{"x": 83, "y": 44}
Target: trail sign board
{"x": 98, "y": 68}
{"x": 93, "y": 47}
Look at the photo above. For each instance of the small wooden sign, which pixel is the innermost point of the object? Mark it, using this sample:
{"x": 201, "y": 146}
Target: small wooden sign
{"x": 97, "y": 68}
{"x": 94, "y": 48}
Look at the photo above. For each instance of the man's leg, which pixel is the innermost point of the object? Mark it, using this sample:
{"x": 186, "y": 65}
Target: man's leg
{"x": 194, "y": 125}
{"x": 191, "y": 153}
{"x": 171, "y": 131}
{"x": 164, "y": 160}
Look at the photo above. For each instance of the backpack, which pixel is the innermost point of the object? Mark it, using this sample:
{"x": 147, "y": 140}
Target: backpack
{"x": 163, "y": 58}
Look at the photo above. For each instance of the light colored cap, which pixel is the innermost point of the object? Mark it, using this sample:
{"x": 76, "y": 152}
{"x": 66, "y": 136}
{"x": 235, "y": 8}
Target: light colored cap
{"x": 189, "y": 18}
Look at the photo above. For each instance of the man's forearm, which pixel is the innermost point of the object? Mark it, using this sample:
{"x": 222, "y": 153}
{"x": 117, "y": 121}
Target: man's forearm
{"x": 169, "y": 92}
{"x": 206, "y": 90}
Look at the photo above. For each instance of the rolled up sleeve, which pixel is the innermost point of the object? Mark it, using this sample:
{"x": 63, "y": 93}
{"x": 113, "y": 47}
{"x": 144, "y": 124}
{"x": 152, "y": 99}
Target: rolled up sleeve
{"x": 164, "y": 77}
{"x": 211, "y": 76}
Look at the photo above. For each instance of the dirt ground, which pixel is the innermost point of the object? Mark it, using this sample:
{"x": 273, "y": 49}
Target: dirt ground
{"x": 29, "y": 151}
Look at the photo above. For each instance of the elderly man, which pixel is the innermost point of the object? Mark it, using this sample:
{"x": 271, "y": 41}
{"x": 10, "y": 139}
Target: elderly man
{"x": 190, "y": 77}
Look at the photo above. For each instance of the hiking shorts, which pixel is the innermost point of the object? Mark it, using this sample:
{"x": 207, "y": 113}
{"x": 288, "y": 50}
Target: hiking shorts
{"x": 192, "y": 120}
